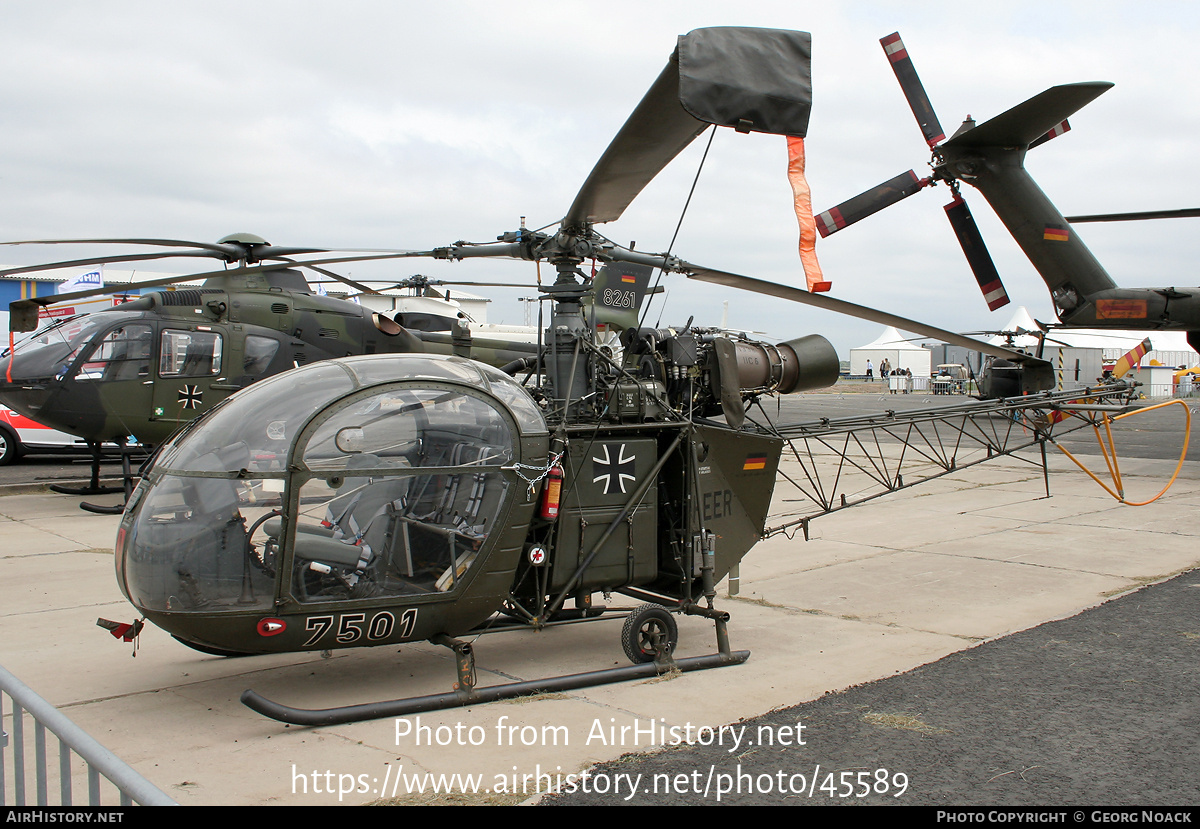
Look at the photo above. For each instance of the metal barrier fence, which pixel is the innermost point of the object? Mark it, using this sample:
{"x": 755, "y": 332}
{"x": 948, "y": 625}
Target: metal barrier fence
{"x": 97, "y": 761}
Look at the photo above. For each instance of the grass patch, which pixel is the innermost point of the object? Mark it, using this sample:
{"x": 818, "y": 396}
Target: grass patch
{"x": 901, "y": 722}
{"x": 665, "y": 676}
{"x": 537, "y": 697}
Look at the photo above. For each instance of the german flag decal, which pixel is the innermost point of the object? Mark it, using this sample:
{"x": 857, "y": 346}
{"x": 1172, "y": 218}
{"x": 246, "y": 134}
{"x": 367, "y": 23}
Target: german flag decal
{"x": 755, "y": 462}
{"x": 1054, "y": 233}
{"x": 628, "y": 278}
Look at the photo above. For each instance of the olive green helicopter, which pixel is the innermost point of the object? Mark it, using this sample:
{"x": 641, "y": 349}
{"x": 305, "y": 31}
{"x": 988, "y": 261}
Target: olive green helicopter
{"x": 991, "y": 157}
{"x": 385, "y": 498}
{"x": 134, "y": 372}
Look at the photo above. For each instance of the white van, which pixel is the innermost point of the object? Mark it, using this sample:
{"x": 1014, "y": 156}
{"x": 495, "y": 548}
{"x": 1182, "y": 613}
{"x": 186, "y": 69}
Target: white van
{"x": 19, "y": 436}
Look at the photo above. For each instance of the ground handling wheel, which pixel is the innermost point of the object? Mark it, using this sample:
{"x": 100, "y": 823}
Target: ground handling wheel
{"x": 649, "y": 629}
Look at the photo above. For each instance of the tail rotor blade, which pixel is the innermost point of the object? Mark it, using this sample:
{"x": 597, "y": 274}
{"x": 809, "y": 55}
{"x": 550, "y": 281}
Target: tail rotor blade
{"x": 872, "y": 201}
{"x": 1053, "y": 132}
{"x": 918, "y": 101}
{"x": 977, "y": 254}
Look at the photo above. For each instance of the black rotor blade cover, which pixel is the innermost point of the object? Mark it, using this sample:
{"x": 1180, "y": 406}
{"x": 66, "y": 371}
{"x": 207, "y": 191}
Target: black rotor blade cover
{"x": 871, "y": 201}
{"x": 977, "y": 254}
{"x": 914, "y": 91}
{"x": 751, "y": 79}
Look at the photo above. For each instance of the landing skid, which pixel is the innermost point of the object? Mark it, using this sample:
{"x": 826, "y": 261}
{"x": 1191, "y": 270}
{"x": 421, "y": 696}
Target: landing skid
{"x": 472, "y": 696}
{"x": 94, "y": 487}
{"x": 644, "y": 632}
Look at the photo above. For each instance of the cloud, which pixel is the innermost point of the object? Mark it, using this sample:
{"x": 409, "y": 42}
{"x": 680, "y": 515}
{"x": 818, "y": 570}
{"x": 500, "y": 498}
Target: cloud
{"x": 413, "y": 125}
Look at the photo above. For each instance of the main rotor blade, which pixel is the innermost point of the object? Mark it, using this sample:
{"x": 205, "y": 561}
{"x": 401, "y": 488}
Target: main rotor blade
{"x": 657, "y": 131}
{"x": 102, "y": 260}
{"x": 216, "y": 248}
{"x": 752, "y": 79}
{"x": 868, "y": 202}
{"x": 914, "y": 91}
{"x": 759, "y": 286}
{"x": 977, "y": 253}
{"x": 227, "y": 252}
{"x": 1182, "y": 213}
{"x": 23, "y": 312}
{"x": 433, "y": 282}
{"x": 363, "y": 289}
{"x": 486, "y": 284}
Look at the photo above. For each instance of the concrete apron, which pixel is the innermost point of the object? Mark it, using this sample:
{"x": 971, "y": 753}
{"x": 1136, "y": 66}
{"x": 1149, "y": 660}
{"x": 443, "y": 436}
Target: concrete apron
{"x": 880, "y": 589}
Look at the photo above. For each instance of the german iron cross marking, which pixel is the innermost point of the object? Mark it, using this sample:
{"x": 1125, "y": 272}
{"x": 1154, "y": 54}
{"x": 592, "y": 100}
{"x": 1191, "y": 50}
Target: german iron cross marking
{"x": 614, "y": 472}
{"x": 190, "y": 396}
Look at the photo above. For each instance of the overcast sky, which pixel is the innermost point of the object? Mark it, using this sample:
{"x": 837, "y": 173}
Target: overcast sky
{"x": 412, "y": 125}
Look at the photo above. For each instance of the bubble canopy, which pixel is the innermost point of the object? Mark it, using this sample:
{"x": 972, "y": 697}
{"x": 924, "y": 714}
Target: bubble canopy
{"x": 381, "y": 478}
{"x": 271, "y": 414}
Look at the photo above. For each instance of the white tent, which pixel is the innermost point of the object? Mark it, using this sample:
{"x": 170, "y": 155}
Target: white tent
{"x": 1021, "y": 321}
{"x": 898, "y": 351}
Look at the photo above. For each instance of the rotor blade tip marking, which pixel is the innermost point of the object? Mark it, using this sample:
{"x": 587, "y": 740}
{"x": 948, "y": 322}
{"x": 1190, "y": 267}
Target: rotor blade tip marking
{"x": 829, "y": 222}
{"x": 893, "y": 46}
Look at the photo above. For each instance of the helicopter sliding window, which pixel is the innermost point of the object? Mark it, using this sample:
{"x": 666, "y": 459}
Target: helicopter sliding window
{"x": 259, "y": 353}
{"x": 123, "y": 354}
{"x": 189, "y": 354}
{"x": 404, "y": 488}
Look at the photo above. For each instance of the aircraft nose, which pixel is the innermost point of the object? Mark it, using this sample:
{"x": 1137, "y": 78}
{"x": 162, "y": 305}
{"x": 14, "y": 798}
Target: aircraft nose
{"x": 27, "y": 400}
{"x": 18, "y": 390}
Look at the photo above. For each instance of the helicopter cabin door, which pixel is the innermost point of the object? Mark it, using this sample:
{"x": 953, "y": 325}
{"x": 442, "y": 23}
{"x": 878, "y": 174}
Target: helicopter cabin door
{"x": 190, "y": 372}
{"x": 115, "y": 378}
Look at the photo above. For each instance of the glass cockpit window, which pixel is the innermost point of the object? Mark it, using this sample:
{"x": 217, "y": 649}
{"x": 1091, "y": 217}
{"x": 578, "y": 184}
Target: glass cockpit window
{"x": 259, "y": 353}
{"x": 410, "y": 427}
{"x": 265, "y": 417}
{"x": 391, "y": 535}
{"x": 189, "y": 546}
{"x": 123, "y": 354}
{"x": 49, "y": 351}
{"x": 190, "y": 354}
{"x": 416, "y": 367}
{"x": 406, "y": 485}
{"x": 528, "y": 416}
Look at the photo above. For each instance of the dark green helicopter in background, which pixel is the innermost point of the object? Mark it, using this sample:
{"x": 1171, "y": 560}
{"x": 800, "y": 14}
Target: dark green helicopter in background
{"x": 137, "y": 371}
{"x": 140, "y": 369}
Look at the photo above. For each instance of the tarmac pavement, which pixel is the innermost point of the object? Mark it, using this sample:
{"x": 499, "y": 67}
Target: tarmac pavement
{"x": 880, "y": 590}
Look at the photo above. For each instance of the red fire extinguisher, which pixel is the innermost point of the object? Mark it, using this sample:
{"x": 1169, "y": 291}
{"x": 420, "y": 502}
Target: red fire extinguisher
{"x": 552, "y": 493}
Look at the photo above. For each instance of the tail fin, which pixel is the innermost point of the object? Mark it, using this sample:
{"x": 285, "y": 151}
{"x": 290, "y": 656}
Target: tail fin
{"x": 991, "y": 158}
{"x": 617, "y": 293}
